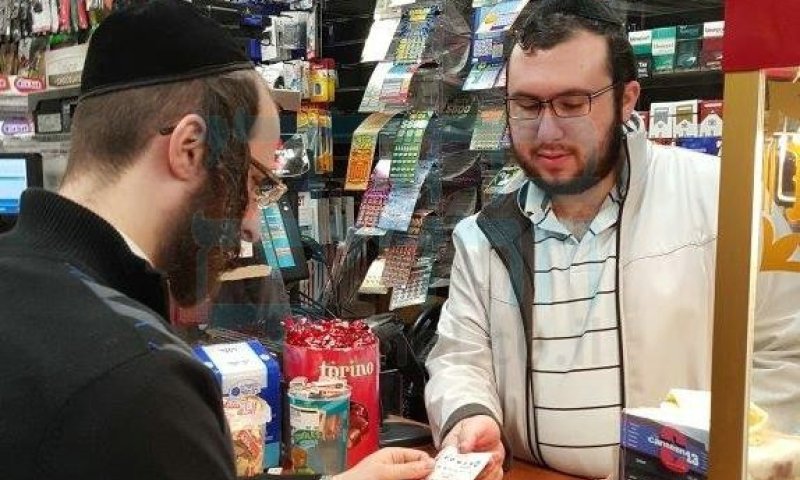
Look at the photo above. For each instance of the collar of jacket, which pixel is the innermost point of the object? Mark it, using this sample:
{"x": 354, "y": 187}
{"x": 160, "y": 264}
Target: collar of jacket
{"x": 52, "y": 226}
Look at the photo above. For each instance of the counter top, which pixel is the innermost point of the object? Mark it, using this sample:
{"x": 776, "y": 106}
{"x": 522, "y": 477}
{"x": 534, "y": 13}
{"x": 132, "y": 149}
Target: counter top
{"x": 525, "y": 471}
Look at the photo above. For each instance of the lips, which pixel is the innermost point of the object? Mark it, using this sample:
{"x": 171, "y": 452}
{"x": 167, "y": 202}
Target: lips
{"x": 553, "y": 160}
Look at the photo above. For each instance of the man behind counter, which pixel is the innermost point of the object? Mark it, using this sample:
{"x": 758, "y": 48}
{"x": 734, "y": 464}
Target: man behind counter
{"x": 172, "y": 144}
{"x": 590, "y": 287}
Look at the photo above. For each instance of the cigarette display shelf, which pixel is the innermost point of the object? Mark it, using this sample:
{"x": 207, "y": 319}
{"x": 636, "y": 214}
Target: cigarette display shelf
{"x": 649, "y": 14}
{"x": 678, "y": 86}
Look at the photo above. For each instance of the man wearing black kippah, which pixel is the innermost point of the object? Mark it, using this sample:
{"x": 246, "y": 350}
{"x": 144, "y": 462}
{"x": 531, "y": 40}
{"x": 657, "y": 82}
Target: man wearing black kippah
{"x": 173, "y": 143}
{"x": 589, "y": 286}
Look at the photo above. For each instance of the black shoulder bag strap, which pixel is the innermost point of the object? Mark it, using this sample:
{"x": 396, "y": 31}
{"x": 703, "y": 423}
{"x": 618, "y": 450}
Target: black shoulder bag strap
{"x": 509, "y": 233}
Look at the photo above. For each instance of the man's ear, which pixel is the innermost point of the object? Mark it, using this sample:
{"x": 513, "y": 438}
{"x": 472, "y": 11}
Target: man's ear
{"x": 187, "y": 147}
{"x": 629, "y": 98}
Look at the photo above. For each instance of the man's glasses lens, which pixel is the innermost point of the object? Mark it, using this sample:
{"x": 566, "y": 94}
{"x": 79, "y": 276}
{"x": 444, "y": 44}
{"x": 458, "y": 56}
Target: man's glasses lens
{"x": 565, "y": 106}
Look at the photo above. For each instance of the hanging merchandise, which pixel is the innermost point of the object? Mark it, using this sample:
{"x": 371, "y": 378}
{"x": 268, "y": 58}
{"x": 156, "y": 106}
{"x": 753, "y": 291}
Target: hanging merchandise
{"x": 415, "y": 290}
{"x": 371, "y": 102}
{"x": 42, "y": 14}
{"x": 397, "y": 84}
{"x": 492, "y": 24}
{"x": 377, "y": 44}
{"x": 315, "y": 123}
{"x": 370, "y": 213}
{"x": 413, "y": 32}
{"x": 373, "y": 281}
{"x": 407, "y": 147}
{"x": 490, "y": 129}
{"x": 499, "y": 17}
{"x": 362, "y": 151}
{"x": 399, "y": 207}
{"x": 401, "y": 256}
{"x": 483, "y": 76}
{"x": 323, "y": 81}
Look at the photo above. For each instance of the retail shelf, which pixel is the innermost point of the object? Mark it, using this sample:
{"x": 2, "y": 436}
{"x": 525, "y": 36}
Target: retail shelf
{"x": 683, "y": 79}
{"x": 25, "y": 104}
{"x": 51, "y": 137}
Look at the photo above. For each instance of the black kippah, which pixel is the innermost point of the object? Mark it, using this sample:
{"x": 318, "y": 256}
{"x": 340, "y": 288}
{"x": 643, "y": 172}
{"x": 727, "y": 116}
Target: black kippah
{"x": 598, "y": 10}
{"x": 161, "y": 41}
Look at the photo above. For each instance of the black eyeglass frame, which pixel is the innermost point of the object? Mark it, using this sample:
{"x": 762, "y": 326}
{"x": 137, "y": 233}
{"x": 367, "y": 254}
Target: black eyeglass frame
{"x": 268, "y": 191}
{"x": 542, "y": 104}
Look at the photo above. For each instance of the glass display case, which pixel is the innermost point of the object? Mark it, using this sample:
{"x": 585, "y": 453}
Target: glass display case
{"x": 755, "y": 414}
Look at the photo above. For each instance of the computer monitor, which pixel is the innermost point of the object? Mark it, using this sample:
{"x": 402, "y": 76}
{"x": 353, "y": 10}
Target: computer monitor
{"x": 18, "y": 171}
{"x": 280, "y": 240}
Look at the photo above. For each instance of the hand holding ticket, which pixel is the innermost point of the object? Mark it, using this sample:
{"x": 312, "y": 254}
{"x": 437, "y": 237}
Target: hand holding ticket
{"x": 451, "y": 465}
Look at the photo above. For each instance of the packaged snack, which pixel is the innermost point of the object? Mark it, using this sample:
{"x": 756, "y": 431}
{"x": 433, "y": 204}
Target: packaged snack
{"x": 343, "y": 351}
{"x": 318, "y": 418}
{"x": 245, "y": 370}
{"x": 247, "y": 419}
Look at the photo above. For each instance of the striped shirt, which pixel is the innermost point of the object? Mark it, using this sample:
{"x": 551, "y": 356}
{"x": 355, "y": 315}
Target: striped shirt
{"x": 576, "y": 368}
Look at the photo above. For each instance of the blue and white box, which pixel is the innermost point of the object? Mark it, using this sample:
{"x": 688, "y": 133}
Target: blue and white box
{"x": 247, "y": 368}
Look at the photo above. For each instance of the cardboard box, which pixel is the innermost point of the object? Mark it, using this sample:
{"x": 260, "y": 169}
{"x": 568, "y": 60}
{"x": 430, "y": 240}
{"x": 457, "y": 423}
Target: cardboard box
{"x": 247, "y": 368}
{"x": 688, "y": 48}
{"x": 642, "y": 43}
{"x": 658, "y": 450}
{"x": 662, "y": 120}
{"x": 664, "y": 43}
{"x": 711, "y": 118}
{"x": 686, "y": 124}
{"x": 65, "y": 66}
{"x": 711, "y": 54}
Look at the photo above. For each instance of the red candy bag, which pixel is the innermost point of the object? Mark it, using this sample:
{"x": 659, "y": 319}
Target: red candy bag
{"x": 349, "y": 350}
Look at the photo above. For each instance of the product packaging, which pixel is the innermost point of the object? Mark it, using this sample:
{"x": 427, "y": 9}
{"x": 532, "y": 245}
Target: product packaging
{"x": 711, "y": 118}
{"x": 686, "y": 119}
{"x": 711, "y": 55}
{"x": 319, "y": 414}
{"x": 244, "y": 370}
{"x": 642, "y": 43}
{"x": 687, "y": 50}
{"x": 662, "y": 120}
{"x": 344, "y": 351}
{"x": 664, "y": 42}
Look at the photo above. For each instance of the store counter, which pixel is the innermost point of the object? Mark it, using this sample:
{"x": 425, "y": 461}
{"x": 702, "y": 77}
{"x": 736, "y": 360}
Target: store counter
{"x": 521, "y": 470}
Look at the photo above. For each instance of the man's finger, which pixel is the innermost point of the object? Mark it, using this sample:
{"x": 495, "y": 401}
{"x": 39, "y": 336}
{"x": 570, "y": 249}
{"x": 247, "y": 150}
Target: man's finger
{"x": 407, "y": 455}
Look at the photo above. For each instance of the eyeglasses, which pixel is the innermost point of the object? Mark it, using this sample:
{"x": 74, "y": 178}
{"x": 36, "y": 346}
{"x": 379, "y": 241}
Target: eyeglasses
{"x": 563, "y": 106}
{"x": 269, "y": 190}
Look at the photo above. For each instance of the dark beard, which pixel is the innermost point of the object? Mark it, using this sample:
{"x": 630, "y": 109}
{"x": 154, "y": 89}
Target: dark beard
{"x": 204, "y": 245}
{"x": 596, "y": 168}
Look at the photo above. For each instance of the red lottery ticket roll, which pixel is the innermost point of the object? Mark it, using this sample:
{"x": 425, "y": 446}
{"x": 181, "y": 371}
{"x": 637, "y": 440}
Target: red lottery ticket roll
{"x": 339, "y": 349}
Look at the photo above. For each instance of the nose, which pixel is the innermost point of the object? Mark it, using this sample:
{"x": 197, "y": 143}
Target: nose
{"x": 251, "y": 224}
{"x": 549, "y": 127}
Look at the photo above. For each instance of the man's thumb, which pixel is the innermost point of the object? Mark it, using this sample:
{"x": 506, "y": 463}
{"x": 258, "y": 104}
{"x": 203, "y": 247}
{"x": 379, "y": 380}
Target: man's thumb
{"x": 411, "y": 470}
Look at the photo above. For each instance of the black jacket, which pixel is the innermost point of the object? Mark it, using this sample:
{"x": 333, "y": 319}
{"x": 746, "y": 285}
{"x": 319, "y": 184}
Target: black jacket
{"x": 93, "y": 385}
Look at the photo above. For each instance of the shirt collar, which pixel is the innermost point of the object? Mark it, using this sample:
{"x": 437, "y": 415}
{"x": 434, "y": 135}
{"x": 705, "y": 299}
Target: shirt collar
{"x": 135, "y": 249}
{"x": 536, "y": 205}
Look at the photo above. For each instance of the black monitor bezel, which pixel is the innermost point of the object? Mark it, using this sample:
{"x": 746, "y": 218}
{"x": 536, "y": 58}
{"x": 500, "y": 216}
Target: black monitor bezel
{"x": 34, "y": 172}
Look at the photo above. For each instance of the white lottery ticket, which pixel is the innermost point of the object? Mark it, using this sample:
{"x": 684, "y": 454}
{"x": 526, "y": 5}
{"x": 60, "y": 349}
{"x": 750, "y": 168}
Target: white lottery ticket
{"x": 451, "y": 465}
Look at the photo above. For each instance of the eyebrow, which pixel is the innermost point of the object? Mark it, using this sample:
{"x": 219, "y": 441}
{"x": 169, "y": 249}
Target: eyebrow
{"x": 571, "y": 91}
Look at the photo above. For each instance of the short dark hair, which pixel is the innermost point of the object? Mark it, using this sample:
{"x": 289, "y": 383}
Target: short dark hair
{"x": 110, "y": 131}
{"x": 543, "y": 31}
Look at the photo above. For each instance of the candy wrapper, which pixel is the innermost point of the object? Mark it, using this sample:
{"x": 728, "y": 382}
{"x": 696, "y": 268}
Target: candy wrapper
{"x": 341, "y": 350}
{"x": 247, "y": 418}
{"x": 319, "y": 414}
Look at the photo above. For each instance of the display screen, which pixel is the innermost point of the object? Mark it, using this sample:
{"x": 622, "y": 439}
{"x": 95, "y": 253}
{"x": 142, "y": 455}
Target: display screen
{"x": 13, "y": 180}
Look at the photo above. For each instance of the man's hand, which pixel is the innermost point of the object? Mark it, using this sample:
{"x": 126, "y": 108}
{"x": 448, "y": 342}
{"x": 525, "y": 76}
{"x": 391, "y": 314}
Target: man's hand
{"x": 391, "y": 464}
{"x": 480, "y": 433}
